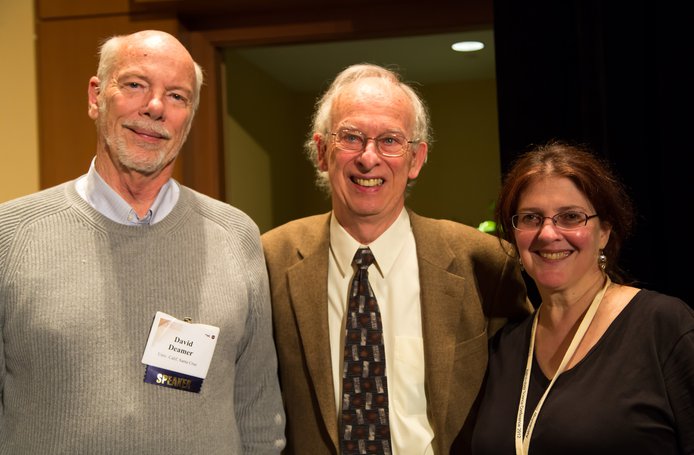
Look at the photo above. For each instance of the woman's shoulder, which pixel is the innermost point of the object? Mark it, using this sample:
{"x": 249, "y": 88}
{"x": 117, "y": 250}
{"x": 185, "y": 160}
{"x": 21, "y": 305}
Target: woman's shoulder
{"x": 664, "y": 306}
{"x": 662, "y": 318}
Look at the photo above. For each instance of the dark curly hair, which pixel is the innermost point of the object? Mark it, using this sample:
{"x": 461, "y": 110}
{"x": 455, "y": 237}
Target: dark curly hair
{"x": 591, "y": 175}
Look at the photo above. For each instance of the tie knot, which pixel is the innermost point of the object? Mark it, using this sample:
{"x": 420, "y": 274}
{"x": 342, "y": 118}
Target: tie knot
{"x": 363, "y": 258}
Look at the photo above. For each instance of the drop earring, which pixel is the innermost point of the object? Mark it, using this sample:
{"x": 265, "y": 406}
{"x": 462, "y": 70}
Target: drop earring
{"x": 602, "y": 260}
{"x": 520, "y": 264}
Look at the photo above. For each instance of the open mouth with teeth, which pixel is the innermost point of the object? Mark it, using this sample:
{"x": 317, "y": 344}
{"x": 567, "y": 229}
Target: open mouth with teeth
{"x": 367, "y": 182}
{"x": 554, "y": 255}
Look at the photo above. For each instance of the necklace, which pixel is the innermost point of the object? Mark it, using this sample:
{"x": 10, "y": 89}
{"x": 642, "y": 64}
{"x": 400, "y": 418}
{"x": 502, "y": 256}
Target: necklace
{"x": 523, "y": 440}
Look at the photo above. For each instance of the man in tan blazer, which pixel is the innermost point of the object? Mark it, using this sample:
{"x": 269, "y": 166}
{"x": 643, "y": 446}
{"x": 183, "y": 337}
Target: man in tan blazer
{"x": 442, "y": 287}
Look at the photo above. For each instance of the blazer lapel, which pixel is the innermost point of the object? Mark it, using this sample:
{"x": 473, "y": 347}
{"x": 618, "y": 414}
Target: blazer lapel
{"x": 441, "y": 297}
{"x": 308, "y": 288}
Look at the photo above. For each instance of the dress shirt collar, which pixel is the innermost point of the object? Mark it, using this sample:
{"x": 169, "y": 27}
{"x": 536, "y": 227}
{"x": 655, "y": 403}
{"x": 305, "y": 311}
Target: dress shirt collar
{"x": 385, "y": 248}
{"x": 93, "y": 189}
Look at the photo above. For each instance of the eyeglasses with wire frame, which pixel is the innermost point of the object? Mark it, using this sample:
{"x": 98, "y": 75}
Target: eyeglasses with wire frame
{"x": 391, "y": 145}
{"x": 567, "y": 221}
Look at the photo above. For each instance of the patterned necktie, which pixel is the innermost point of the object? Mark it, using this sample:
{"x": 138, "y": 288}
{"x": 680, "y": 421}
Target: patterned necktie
{"x": 364, "y": 428}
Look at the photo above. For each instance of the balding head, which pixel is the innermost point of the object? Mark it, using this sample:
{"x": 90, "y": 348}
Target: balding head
{"x": 117, "y": 48}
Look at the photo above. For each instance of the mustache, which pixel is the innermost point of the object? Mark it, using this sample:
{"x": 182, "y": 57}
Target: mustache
{"x": 147, "y": 128}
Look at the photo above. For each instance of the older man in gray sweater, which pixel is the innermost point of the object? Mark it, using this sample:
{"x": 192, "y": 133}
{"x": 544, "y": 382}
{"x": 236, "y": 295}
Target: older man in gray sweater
{"x": 87, "y": 266}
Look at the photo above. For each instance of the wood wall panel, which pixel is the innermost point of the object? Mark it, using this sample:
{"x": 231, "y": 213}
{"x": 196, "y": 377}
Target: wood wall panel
{"x": 51, "y": 9}
{"x": 202, "y": 157}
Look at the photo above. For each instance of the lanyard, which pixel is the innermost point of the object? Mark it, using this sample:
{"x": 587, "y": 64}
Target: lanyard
{"x": 523, "y": 442}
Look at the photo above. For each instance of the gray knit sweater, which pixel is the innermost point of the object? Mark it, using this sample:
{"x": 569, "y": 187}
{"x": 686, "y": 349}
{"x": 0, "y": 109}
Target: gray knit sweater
{"x": 78, "y": 294}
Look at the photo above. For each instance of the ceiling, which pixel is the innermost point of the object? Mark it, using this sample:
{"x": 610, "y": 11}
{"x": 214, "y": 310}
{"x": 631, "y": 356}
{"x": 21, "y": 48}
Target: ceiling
{"x": 425, "y": 59}
{"x": 421, "y": 51}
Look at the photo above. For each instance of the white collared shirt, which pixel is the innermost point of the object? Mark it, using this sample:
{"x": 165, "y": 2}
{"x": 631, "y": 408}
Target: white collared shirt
{"x": 93, "y": 189}
{"x": 395, "y": 281}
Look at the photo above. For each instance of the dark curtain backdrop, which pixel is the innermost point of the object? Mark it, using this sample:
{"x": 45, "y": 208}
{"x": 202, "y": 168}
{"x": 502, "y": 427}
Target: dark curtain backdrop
{"x": 613, "y": 75}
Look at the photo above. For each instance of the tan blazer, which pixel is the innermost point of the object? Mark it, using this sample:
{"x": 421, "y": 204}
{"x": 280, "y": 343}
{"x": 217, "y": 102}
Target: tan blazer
{"x": 469, "y": 285}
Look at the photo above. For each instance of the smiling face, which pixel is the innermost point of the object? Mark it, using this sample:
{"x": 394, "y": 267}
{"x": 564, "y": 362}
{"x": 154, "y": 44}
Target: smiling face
{"x": 560, "y": 260}
{"x": 367, "y": 187}
{"x": 144, "y": 110}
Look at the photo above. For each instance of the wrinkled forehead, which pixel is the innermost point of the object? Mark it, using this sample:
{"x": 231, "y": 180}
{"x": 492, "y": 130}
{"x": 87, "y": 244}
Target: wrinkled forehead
{"x": 156, "y": 55}
{"x": 374, "y": 90}
{"x": 153, "y": 41}
{"x": 373, "y": 95}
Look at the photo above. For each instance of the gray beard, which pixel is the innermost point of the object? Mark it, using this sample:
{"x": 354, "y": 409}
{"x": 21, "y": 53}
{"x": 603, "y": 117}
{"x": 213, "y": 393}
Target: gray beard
{"x": 154, "y": 162}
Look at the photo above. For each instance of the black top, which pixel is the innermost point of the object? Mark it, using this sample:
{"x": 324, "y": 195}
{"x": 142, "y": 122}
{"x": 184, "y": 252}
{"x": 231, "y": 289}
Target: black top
{"x": 632, "y": 393}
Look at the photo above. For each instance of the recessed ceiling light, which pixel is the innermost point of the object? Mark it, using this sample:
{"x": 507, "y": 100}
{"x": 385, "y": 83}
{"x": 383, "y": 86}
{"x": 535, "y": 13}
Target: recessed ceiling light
{"x": 467, "y": 46}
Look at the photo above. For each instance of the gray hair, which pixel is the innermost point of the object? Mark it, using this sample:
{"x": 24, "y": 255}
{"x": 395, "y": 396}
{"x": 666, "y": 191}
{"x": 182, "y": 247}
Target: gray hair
{"x": 322, "y": 119}
{"x": 108, "y": 55}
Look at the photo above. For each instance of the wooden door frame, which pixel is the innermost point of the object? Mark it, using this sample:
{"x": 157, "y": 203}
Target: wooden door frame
{"x": 203, "y": 158}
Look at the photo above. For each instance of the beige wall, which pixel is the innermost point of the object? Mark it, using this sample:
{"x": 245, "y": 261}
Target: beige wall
{"x": 266, "y": 173}
{"x": 19, "y": 150}
{"x": 462, "y": 176}
{"x": 248, "y": 174}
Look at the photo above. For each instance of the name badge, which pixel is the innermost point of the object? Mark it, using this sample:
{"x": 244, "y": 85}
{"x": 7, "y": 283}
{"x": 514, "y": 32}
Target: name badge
{"x": 178, "y": 353}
